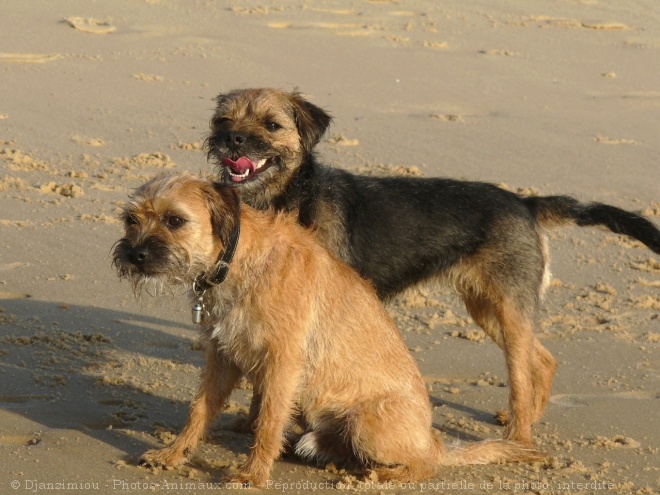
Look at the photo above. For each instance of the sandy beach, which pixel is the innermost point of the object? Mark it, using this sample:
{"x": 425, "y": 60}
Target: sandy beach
{"x": 539, "y": 97}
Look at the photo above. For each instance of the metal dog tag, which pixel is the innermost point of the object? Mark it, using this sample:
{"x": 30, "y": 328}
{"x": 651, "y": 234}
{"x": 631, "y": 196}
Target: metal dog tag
{"x": 197, "y": 313}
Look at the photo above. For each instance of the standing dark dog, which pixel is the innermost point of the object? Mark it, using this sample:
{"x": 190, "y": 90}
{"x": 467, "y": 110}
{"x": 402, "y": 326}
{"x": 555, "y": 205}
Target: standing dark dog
{"x": 488, "y": 242}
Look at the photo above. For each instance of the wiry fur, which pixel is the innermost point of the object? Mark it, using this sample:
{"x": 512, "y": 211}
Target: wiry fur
{"x": 398, "y": 231}
{"x": 309, "y": 333}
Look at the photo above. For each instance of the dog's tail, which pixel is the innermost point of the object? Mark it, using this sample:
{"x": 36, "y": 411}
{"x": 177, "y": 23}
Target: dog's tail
{"x": 489, "y": 451}
{"x": 559, "y": 210}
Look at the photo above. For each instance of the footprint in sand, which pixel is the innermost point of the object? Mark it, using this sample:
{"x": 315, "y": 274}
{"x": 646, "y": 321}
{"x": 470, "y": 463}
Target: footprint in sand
{"x": 249, "y": 10}
{"x": 404, "y": 13}
{"x": 447, "y": 117}
{"x": 336, "y": 11}
{"x": 12, "y": 266}
{"x": 20, "y": 440}
{"x": 435, "y": 45}
{"x": 545, "y": 21}
{"x": 147, "y": 77}
{"x": 89, "y": 25}
{"x": 341, "y": 140}
{"x": 607, "y": 140}
{"x": 501, "y": 53}
{"x": 581, "y": 400}
{"x": 606, "y": 26}
{"x": 96, "y": 142}
{"x": 8, "y": 401}
{"x": 28, "y": 58}
{"x": 13, "y": 295}
{"x": 337, "y": 28}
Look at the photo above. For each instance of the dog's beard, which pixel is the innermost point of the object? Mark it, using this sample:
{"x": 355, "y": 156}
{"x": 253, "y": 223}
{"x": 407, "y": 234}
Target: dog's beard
{"x": 156, "y": 285}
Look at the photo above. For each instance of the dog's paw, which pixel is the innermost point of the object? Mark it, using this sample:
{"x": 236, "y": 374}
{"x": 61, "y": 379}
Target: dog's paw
{"x": 245, "y": 480}
{"x": 166, "y": 458}
{"x": 502, "y": 417}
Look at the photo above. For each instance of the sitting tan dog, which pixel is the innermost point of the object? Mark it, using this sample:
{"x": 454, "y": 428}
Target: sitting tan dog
{"x": 308, "y": 332}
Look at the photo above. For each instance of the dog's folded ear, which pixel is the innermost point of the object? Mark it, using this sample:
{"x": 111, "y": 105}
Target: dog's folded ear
{"x": 221, "y": 99}
{"x": 311, "y": 120}
{"x": 224, "y": 206}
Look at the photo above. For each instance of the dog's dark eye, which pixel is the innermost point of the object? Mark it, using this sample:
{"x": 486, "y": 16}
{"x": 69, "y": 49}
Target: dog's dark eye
{"x": 273, "y": 126}
{"x": 174, "y": 222}
{"x": 130, "y": 220}
{"x": 219, "y": 122}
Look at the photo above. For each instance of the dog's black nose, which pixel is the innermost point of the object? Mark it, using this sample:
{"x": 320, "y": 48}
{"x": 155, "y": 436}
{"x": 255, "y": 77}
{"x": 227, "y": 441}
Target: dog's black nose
{"x": 138, "y": 255}
{"x": 238, "y": 138}
{"x": 233, "y": 138}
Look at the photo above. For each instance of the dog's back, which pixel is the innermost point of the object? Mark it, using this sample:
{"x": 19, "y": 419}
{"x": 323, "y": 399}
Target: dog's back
{"x": 398, "y": 231}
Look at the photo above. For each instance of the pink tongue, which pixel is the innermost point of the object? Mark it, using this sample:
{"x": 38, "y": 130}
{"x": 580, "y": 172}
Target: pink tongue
{"x": 239, "y": 166}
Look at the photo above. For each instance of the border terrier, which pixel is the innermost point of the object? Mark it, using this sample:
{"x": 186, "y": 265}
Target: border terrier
{"x": 487, "y": 242}
{"x": 304, "y": 327}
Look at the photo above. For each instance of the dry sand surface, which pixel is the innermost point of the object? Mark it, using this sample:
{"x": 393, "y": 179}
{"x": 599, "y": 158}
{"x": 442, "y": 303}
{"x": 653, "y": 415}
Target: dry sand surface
{"x": 549, "y": 97}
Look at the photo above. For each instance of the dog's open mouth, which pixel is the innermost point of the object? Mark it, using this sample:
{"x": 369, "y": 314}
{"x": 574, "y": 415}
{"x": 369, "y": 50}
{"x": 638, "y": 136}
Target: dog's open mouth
{"x": 245, "y": 169}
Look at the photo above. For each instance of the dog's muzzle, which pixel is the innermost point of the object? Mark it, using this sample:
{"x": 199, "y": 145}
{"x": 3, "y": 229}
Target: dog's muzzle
{"x": 145, "y": 258}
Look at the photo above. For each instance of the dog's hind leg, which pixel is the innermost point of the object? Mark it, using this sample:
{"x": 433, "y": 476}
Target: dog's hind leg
{"x": 544, "y": 367}
{"x": 219, "y": 378}
{"x": 394, "y": 434}
{"x": 246, "y": 424}
{"x": 518, "y": 340}
{"x": 530, "y": 365}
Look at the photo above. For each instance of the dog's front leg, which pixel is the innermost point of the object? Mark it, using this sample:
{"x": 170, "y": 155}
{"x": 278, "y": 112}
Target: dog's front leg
{"x": 219, "y": 378}
{"x": 277, "y": 389}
